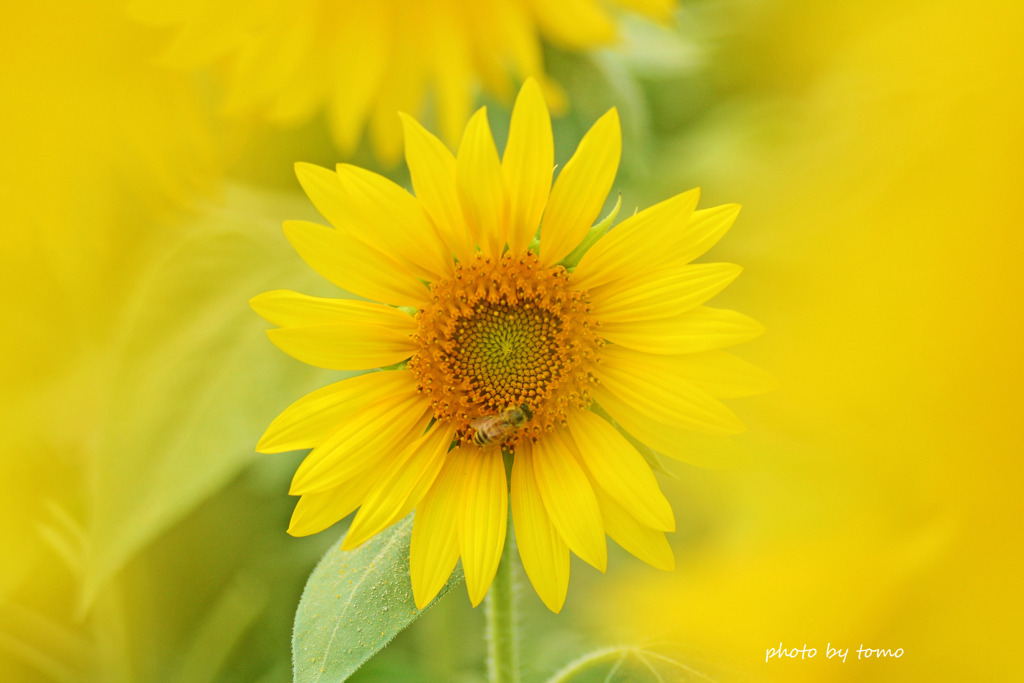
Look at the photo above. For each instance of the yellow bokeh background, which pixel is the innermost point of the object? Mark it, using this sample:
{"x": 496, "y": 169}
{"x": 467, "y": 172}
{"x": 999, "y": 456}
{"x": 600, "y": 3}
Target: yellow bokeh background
{"x": 879, "y": 165}
{"x": 878, "y": 151}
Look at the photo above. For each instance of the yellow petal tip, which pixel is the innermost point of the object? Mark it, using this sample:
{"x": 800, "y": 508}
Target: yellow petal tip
{"x": 553, "y": 604}
{"x": 304, "y": 168}
{"x": 258, "y": 304}
{"x": 531, "y": 88}
{"x": 298, "y": 485}
{"x": 267, "y": 444}
{"x": 291, "y": 229}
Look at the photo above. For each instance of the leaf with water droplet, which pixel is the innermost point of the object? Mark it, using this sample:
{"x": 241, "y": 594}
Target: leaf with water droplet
{"x": 341, "y": 597}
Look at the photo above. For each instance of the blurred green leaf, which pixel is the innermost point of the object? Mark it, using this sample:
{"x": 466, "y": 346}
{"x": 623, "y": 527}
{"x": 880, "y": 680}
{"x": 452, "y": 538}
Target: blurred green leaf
{"x": 221, "y": 629}
{"x": 629, "y": 664}
{"x": 355, "y": 602}
{"x": 44, "y": 644}
{"x": 655, "y": 50}
{"x": 190, "y": 380}
{"x": 594, "y": 84}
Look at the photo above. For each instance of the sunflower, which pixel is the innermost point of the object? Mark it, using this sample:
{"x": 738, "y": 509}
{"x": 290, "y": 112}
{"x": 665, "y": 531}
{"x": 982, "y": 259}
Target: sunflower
{"x": 360, "y": 61}
{"x": 488, "y": 345}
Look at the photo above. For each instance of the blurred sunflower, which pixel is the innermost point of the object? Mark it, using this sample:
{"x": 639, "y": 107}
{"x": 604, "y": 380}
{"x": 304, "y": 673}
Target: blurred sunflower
{"x": 361, "y": 61}
{"x": 499, "y": 346}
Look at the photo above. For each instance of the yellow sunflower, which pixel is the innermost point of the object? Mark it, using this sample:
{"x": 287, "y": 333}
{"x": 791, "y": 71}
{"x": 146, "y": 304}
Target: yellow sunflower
{"x": 363, "y": 60}
{"x": 488, "y": 343}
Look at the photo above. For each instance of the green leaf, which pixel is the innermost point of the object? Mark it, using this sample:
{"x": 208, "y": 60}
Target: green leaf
{"x": 355, "y": 602}
{"x": 190, "y": 379}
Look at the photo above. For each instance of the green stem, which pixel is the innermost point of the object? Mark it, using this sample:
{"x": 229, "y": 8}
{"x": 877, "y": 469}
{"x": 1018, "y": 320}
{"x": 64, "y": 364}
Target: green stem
{"x": 502, "y": 636}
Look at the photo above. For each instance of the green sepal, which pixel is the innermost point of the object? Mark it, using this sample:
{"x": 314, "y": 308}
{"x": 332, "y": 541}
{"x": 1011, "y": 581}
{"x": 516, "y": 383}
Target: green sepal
{"x": 593, "y": 235}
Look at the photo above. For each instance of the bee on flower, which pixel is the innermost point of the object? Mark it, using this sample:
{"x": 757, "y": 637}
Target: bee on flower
{"x": 503, "y": 331}
{"x": 493, "y": 429}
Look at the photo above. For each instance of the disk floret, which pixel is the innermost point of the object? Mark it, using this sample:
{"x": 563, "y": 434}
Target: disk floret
{"x": 505, "y": 332}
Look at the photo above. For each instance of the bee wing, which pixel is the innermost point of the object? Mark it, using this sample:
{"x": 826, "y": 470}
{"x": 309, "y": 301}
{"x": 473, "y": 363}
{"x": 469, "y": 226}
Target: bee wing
{"x": 481, "y": 422}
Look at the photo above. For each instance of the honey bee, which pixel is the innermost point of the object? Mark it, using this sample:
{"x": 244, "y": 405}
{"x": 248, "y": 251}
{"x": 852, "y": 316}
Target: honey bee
{"x": 494, "y": 428}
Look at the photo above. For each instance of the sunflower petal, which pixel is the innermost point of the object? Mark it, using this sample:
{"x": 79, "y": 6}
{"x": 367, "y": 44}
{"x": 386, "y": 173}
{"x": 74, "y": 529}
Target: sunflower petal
{"x": 323, "y": 187}
{"x": 581, "y": 188}
{"x": 667, "y": 439}
{"x": 569, "y": 498}
{"x": 637, "y": 379}
{"x": 365, "y": 37}
{"x": 620, "y": 470}
{"x": 528, "y": 165}
{"x": 432, "y": 168}
{"x": 662, "y": 293}
{"x": 700, "y": 329}
{"x": 354, "y": 265}
{"x": 659, "y": 10}
{"x": 643, "y": 542}
{"x": 339, "y": 334}
{"x": 407, "y": 79}
{"x": 637, "y": 244}
{"x": 481, "y": 186}
{"x": 718, "y": 373}
{"x": 453, "y": 65}
{"x": 482, "y": 519}
{"x": 670, "y": 232}
{"x": 376, "y": 434}
{"x": 316, "y": 511}
{"x": 314, "y": 417}
{"x": 574, "y": 24}
{"x": 435, "y": 543}
{"x": 285, "y": 308}
{"x": 544, "y": 554}
{"x": 378, "y": 209}
{"x": 402, "y": 483}
{"x": 344, "y": 347}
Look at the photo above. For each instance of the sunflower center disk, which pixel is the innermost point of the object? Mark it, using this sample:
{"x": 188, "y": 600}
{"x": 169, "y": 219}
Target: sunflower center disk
{"x": 502, "y": 333}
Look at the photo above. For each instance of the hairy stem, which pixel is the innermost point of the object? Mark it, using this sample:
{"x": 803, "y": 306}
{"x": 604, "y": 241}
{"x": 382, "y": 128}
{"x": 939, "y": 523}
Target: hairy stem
{"x": 502, "y": 635}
